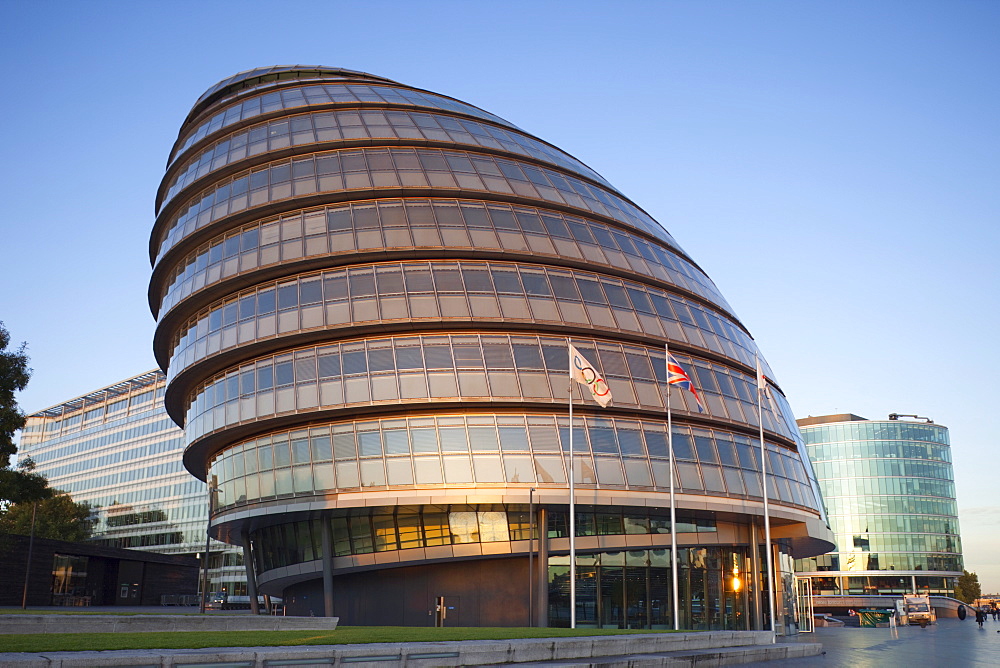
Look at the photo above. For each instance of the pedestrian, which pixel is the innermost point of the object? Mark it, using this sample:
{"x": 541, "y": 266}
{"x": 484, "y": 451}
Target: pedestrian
{"x": 995, "y": 611}
{"x": 980, "y": 617}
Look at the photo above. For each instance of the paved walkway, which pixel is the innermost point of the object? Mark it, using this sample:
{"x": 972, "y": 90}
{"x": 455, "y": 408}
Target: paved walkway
{"x": 950, "y": 642}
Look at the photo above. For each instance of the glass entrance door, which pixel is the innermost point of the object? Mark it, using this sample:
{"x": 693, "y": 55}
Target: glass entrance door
{"x": 804, "y": 604}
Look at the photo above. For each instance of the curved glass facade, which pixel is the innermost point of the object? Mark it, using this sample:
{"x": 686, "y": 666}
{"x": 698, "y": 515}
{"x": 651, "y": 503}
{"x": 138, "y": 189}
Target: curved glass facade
{"x": 364, "y": 295}
{"x": 890, "y": 497}
{"x": 353, "y": 125}
{"x": 306, "y": 95}
{"x": 449, "y": 291}
{"x": 453, "y": 368}
{"x": 391, "y": 169}
{"x": 339, "y": 232}
{"x": 499, "y": 450}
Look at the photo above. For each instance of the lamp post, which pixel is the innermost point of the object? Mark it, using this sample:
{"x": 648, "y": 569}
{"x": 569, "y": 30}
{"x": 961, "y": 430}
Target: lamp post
{"x": 27, "y": 566}
{"x": 531, "y": 556}
{"x": 208, "y": 538}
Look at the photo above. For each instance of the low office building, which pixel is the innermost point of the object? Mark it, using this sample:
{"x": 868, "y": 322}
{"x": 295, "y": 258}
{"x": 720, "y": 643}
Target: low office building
{"x": 890, "y": 498}
{"x": 118, "y": 450}
{"x": 364, "y": 295}
{"x": 84, "y": 574}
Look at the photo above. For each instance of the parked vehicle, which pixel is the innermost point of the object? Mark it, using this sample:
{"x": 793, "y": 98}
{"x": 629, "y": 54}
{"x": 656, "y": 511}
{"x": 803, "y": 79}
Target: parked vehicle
{"x": 918, "y": 610}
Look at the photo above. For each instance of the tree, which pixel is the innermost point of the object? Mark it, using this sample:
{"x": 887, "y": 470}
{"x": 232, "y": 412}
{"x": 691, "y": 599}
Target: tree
{"x": 22, "y": 484}
{"x": 18, "y": 484}
{"x": 14, "y": 375}
{"x": 967, "y": 588}
{"x": 58, "y": 518}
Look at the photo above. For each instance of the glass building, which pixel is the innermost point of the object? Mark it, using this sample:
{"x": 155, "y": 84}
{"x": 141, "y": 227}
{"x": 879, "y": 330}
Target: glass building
{"x": 890, "y": 495}
{"x": 364, "y": 293}
{"x": 118, "y": 450}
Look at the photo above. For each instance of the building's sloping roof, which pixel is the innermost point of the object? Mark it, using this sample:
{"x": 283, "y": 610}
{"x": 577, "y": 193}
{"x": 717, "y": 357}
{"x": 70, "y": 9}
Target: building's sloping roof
{"x": 826, "y": 419}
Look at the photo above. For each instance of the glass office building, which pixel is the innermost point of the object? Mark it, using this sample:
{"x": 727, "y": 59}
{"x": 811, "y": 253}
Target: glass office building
{"x": 364, "y": 293}
{"x": 890, "y": 495}
{"x": 118, "y": 450}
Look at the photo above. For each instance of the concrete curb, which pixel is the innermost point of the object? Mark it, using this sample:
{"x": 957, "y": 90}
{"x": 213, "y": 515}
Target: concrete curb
{"x": 704, "y": 649}
{"x": 160, "y": 623}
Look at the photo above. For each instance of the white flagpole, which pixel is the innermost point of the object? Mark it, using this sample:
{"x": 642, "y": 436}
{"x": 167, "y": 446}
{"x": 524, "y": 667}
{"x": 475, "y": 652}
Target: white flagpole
{"x": 572, "y": 499}
{"x": 767, "y": 518}
{"x": 673, "y": 507}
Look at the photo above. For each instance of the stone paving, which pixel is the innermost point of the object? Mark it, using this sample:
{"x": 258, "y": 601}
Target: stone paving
{"x": 949, "y": 643}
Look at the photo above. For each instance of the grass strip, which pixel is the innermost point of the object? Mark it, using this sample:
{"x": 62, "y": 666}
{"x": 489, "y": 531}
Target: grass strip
{"x": 68, "y": 642}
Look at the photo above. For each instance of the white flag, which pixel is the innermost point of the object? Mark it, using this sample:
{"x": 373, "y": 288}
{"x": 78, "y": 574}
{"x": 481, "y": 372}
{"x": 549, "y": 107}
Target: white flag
{"x": 585, "y": 373}
{"x": 761, "y": 380}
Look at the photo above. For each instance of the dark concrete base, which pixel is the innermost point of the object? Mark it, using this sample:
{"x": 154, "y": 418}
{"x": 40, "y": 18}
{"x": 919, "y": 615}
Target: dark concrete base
{"x": 481, "y": 592}
{"x": 159, "y": 623}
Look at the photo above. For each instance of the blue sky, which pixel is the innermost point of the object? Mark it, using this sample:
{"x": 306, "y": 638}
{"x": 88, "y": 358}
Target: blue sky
{"x": 832, "y": 166}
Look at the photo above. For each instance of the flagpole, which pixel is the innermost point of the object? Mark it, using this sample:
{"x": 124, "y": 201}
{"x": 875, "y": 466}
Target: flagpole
{"x": 767, "y": 517}
{"x": 673, "y": 506}
{"x": 572, "y": 499}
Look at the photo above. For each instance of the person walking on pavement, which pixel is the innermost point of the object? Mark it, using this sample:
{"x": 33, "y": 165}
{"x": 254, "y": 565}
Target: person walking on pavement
{"x": 980, "y": 617}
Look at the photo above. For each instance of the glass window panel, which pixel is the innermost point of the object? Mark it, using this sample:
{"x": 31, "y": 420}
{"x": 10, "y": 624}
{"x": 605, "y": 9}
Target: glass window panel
{"x": 427, "y": 470}
{"x": 409, "y": 358}
{"x": 518, "y": 469}
{"x": 550, "y": 469}
{"x": 656, "y": 442}
{"x": 706, "y": 449}
{"x": 321, "y": 448}
{"x": 399, "y": 471}
{"x": 397, "y": 441}
{"x": 300, "y": 450}
{"x": 488, "y": 468}
{"x": 603, "y": 440}
{"x": 609, "y": 471}
{"x": 424, "y": 439}
{"x": 513, "y": 439}
{"x": 734, "y": 480}
{"x": 683, "y": 445}
{"x": 370, "y": 444}
{"x": 484, "y": 438}
{"x": 637, "y": 472}
{"x": 713, "y": 479}
{"x": 457, "y": 469}
{"x": 630, "y": 442}
{"x": 453, "y": 439}
{"x": 493, "y": 526}
{"x": 372, "y": 473}
{"x": 689, "y": 477}
{"x": 347, "y": 474}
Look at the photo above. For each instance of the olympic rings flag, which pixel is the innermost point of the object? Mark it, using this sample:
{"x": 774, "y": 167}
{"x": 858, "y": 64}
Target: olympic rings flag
{"x": 584, "y": 373}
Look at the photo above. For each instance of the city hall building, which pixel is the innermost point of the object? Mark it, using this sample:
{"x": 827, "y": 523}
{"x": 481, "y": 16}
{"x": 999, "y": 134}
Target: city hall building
{"x": 890, "y": 494}
{"x": 364, "y": 295}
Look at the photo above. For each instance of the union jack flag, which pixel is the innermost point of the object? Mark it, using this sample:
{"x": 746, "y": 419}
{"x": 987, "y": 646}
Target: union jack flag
{"x": 677, "y": 376}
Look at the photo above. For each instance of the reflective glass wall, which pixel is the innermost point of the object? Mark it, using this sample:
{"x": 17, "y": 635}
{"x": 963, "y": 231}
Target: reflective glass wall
{"x": 118, "y": 450}
{"x": 890, "y": 498}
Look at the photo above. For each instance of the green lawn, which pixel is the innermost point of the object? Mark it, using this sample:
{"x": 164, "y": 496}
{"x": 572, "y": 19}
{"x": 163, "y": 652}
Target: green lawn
{"x": 55, "y": 642}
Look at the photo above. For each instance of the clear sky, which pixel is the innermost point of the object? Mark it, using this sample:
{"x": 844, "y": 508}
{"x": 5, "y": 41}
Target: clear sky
{"x": 832, "y": 166}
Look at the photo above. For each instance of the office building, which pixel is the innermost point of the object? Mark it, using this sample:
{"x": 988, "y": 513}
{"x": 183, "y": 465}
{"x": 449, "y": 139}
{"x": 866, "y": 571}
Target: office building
{"x": 890, "y": 498}
{"x": 364, "y": 293}
{"x": 118, "y": 450}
